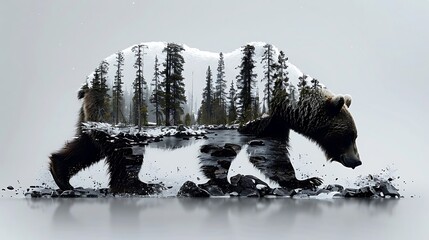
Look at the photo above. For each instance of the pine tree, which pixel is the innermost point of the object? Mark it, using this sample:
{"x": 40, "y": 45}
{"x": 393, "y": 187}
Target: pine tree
{"x": 139, "y": 107}
{"x": 157, "y": 97}
{"x": 303, "y": 87}
{"x": 315, "y": 84}
{"x": 270, "y": 69}
{"x": 95, "y": 82}
{"x": 292, "y": 93}
{"x": 188, "y": 119}
{"x": 245, "y": 83}
{"x": 219, "y": 103}
{"x": 206, "y": 110}
{"x": 256, "y": 111}
{"x": 99, "y": 84}
{"x": 281, "y": 84}
{"x": 117, "y": 92}
{"x": 280, "y": 95}
{"x": 232, "y": 110}
{"x": 173, "y": 84}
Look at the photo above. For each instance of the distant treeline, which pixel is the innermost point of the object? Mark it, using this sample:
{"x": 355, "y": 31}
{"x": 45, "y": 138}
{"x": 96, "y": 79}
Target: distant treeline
{"x": 218, "y": 106}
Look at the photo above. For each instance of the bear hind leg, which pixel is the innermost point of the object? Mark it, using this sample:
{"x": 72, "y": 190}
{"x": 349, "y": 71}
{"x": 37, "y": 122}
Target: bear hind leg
{"x": 72, "y": 158}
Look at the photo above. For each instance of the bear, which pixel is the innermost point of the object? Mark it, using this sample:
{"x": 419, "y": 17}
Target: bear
{"x": 319, "y": 115}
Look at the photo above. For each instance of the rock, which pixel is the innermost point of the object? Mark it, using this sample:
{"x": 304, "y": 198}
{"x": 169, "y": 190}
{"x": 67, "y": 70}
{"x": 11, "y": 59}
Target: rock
{"x": 364, "y": 192}
{"x": 349, "y": 192}
{"x": 181, "y": 128}
{"x": 281, "y": 192}
{"x": 54, "y": 194}
{"x": 301, "y": 196}
{"x": 209, "y": 148}
{"x": 245, "y": 182}
{"x": 387, "y": 189}
{"x": 309, "y": 192}
{"x": 334, "y": 188}
{"x": 257, "y": 180}
{"x": 213, "y": 190}
{"x": 256, "y": 143}
{"x": 10, "y": 188}
{"x": 221, "y": 184}
{"x": 224, "y": 163}
{"x": 36, "y": 194}
{"x": 233, "y": 194}
{"x": 190, "y": 189}
{"x": 235, "y": 179}
{"x": 68, "y": 194}
{"x": 249, "y": 186}
{"x": 224, "y": 152}
{"x": 320, "y": 191}
{"x": 250, "y": 193}
{"x": 232, "y": 146}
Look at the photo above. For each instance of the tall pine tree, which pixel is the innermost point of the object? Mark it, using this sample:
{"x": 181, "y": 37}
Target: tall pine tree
{"x": 281, "y": 81}
{"x": 219, "y": 104}
{"x": 303, "y": 86}
{"x": 139, "y": 106}
{"x": 117, "y": 92}
{"x": 232, "y": 98}
{"x": 157, "y": 98}
{"x": 99, "y": 84}
{"x": 256, "y": 111}
{"x": 270, "y": 68}
{"x": 206, "y": 110}
{"x": 173, "y": 84}
{"x": 245, "y": 83}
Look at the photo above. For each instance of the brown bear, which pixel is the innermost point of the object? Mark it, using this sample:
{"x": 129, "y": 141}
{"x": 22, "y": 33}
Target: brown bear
{"x": 319, "y": 115}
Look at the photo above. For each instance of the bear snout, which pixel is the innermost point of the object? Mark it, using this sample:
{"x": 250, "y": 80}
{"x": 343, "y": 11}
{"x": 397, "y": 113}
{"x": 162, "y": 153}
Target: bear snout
{"x": 350, "y": 161}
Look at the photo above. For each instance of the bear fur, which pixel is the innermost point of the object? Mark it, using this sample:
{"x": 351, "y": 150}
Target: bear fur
{"x": 321, "y": 116}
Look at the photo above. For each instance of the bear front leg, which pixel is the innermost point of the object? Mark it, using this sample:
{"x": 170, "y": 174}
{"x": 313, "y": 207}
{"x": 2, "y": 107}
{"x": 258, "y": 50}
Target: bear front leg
{"x": 124, "y": 168}
{"x": 272, "y": 159}
{"x": 76, "y": 155}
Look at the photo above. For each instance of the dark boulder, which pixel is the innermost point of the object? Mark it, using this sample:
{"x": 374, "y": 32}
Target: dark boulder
{"x": 209, "y": 148}
{"x": 256, "y": 143}
{"x": 224, "y": 152}
{"x": 249, "y": 186}
{"x": 224, "y": 163}
{"x": 281, "y": 192}
{"x": 386, "y": 189}
{"x": 232, "y": 146}
{"x": 334, "y": 188}
{"x": 190, "y": 189}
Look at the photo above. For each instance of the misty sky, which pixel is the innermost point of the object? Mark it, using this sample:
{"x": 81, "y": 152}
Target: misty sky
{"x": 376, "y": 51}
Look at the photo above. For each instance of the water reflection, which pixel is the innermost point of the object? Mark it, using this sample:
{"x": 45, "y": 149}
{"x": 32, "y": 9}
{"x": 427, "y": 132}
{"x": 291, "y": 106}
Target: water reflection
{"x": 201, "y": 217}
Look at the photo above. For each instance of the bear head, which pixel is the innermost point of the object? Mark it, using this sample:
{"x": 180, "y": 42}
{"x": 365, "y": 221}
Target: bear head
{"x": 340, "y": 133}
{"x": 326, "y": 120}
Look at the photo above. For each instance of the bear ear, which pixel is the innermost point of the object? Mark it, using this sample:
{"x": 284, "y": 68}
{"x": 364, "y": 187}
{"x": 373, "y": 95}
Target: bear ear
{"x": 336, "y": 103}
{"x": 348, "y": 100}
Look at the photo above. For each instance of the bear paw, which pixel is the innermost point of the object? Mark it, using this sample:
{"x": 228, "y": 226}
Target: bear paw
{"x": 311, "y": 183}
